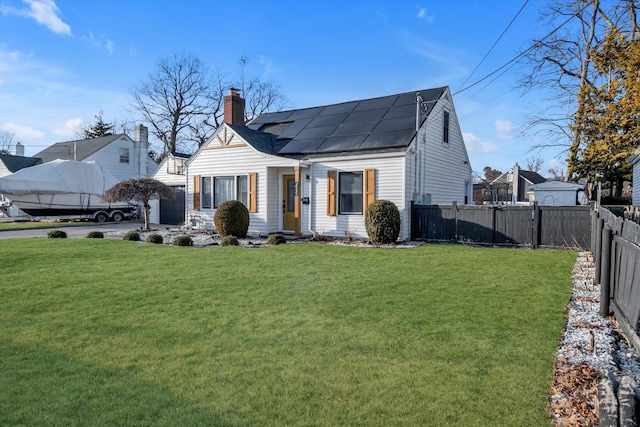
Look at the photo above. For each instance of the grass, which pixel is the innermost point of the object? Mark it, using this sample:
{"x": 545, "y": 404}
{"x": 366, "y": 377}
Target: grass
{"x": 107, "y": 332}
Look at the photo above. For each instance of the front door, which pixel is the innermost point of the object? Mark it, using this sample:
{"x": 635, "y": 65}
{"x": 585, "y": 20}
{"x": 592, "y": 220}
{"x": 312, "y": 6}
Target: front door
{"x": 289, "y": 202}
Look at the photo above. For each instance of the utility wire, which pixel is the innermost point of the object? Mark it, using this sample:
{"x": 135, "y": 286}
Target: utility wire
{"x": 494, "y": 44}
{"x": 521, "y": 54}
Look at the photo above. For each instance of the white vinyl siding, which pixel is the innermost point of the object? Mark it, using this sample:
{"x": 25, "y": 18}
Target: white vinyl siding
{"x": 389, "y": 186}
{"x": 636, "y": 182}
{"x": 240, "y": 159}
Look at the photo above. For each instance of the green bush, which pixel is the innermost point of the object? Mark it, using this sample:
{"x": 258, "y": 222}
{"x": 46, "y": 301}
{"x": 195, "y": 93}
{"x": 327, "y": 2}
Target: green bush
{"x": 276, "y": 239}
{"x": 57, "y": 234}
{"x": 382, "y": 221}
{"x": 182, "y": 241}
{"x": 131, "y": 235}
{"x": 231, "y": 219}
{"x": 155, "y": 238}
{"x": 229, "y": 241}
{"x": 95, "y": 235}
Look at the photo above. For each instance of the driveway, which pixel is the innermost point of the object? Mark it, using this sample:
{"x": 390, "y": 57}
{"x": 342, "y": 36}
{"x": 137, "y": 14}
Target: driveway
{"x": 75, "y": 230}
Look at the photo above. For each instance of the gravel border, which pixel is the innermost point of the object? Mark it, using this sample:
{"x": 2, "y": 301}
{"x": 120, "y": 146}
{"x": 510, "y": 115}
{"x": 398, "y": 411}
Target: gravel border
{"x": 591, "y": 346}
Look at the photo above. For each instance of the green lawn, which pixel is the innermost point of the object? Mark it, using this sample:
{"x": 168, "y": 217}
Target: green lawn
{"x": 107, "y": 332}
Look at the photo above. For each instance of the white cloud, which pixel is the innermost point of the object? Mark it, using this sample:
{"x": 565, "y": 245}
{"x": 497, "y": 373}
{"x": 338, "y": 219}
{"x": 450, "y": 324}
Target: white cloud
{"x": 44, "y": 12}
{"x": 267, "y": 65}
{"x": 422, "y": 14}
{"x": 476, "y": 146}
{"x": 101, "y": 42}
{"x": 22, "y": 133}
{"x": 69, "y": 128}
{"x": 505, "y": 129}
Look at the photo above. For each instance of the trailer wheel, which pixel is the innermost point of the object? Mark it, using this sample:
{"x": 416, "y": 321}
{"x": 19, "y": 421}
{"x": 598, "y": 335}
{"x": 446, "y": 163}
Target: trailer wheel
{"x": 101, "y": 217}
{"x": 117, "y": 216}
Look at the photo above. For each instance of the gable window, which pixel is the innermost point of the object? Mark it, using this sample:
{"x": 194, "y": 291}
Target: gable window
{"x": 215, "y": 190}
{"x": 350, "y": 193}
{"x": 124, "y": 155}
{"x": 445, "y": 128}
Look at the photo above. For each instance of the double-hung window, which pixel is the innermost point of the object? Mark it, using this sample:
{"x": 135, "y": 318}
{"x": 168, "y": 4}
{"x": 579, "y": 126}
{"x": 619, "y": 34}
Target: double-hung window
{"x": 124, "y": 155}
{"x": 350, "y": 193}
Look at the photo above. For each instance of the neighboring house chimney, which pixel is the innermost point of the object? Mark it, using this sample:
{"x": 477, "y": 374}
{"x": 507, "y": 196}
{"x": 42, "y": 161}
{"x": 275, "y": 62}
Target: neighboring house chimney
{"x": 234, "y": 108}
{"x": 19, "y": 149}
{"x": 141, "y": 139}
{"x": 515, "y": 197}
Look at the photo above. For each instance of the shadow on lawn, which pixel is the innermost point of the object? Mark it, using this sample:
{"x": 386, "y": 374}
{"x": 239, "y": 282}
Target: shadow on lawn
{"x": 41, "y": 387}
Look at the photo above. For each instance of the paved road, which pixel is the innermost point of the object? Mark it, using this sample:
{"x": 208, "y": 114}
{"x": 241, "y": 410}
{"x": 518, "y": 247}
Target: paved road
{"x": 73, "y": 231}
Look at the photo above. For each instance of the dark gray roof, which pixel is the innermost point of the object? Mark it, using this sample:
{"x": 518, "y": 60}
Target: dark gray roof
{"x": 387, "y": 123}
{"x": 532, "y": 177}
{"x": 15, "y": 163}
{"x": 84, "y": 147}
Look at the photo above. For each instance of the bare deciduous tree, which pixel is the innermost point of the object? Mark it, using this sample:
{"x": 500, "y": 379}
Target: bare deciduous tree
{"x": 535, "y": 164}
{"x": 183, "y": 101}
{"x": 7, "y": 142}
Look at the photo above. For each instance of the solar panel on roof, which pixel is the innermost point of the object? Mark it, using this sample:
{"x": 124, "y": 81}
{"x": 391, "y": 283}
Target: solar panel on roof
{"x": 332, "y": 120}
{"x": 307, "y": 113}
{"x": 342, "y": 143}
{"x": 275, "y": 117}
{"x": 294, "y": 129}
{"x": 354, "y": 128}
{"x": 319, "y": 132}
{"x": 388, "y": 139}
{"x": 399, "y": 123}
{"x": 301, "y": 146}
{"x": 347, "y": 107}
{"x": 373, "y": 104}
{"x": 364, "y": 116}
{"x": 408, "y": 110}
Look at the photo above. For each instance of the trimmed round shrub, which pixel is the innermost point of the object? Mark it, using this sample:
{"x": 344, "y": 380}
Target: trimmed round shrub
{"x": 155, "y": 238}
{"x": 229, "y": 241}
{"x": 231, "y": 219}
{"x": 182, "y": 241}
{"x": 57, "y": 234}
{"x": 382, "y": 221}
{"x": 95, "y": 235}
{"x": 132, "y": 236}
{"x": 276, "y": 239}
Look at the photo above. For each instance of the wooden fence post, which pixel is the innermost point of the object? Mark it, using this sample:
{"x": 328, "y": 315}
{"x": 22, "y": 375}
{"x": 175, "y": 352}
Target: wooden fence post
{"x": 597, "y": 256}
{"x": 454, "y": 208}
{"x": 535, "y": 238}
{"x": 605, "y": 279}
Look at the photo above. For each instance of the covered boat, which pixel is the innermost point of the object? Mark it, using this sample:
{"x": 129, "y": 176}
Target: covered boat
{"x": 64, "y": 188}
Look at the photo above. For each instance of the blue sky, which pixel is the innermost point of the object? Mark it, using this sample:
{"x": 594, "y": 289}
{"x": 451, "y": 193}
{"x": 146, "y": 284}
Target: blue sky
{"x": 64, "y": 61}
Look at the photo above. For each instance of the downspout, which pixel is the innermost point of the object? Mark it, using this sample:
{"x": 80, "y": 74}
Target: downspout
{"x": 309, "y": 227}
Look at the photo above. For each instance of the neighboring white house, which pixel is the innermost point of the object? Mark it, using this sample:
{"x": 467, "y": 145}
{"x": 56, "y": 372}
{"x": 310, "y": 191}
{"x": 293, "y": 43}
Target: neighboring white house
{"x": 170, "y": 171}
{"x": 122, "y": 156}
{"x": 555, "y": 193}
{"x": 315, "y": 170}
{"x": 8, "y": 165}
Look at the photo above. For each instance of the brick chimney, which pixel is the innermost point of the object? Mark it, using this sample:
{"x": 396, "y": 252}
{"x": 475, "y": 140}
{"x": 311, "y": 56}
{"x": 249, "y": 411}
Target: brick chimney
{"x": 234, "y": 108}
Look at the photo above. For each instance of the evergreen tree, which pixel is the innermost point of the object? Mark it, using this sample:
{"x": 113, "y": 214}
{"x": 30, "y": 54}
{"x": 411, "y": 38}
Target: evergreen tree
{"x": 99, "y": 128}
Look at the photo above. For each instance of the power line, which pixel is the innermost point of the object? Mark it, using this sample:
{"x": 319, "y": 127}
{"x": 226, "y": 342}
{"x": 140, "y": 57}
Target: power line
{"x": 496, "y": 42}
{"x": 521, "y": 54}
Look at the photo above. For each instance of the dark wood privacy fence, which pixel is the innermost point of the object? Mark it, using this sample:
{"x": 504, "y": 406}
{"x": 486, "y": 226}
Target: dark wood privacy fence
{"x": 616, "y": 249}
{"x": 532, "y": 226}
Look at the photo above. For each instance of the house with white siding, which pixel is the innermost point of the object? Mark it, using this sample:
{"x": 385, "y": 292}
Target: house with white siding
{"x": 314, "y": 171}
{"x": 8, "y": 165}
{"x": 635, "y": 162}
{"x": 120, "y": 155}
{"x": 170, "y": 171}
